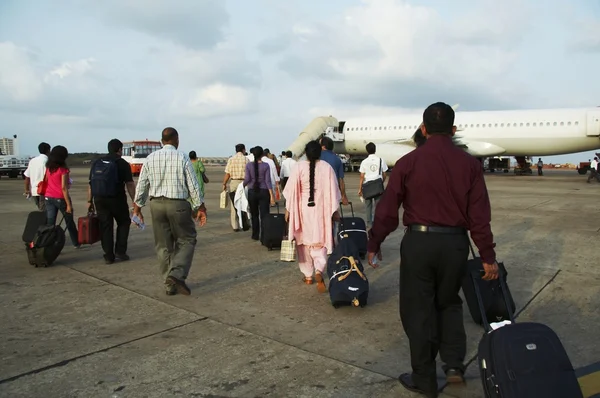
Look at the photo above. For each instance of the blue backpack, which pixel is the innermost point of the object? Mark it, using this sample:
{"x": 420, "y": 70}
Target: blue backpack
{"x": 104, "y": 178}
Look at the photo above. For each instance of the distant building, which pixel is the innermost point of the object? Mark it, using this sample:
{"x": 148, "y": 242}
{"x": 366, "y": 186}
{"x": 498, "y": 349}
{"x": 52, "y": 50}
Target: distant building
{"x": 7, "y": 146}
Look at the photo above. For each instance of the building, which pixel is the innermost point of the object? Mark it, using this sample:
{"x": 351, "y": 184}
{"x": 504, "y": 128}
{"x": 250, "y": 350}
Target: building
{"x": 8, "y": 146}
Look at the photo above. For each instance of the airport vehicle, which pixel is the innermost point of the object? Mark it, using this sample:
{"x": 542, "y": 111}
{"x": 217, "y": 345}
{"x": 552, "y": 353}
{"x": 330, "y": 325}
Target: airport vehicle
{"x": 583, "y": 167}
{"x": 484, "y": 134}
{"x": 497, "y": 163}
{"x": 136, "y": 152}
{"x": 13, "y": 166}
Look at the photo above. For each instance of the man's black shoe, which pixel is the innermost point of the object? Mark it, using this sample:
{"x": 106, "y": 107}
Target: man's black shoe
{"x": 122, "y": 257}
{"x": 406, "y": 381}
{"x": 454, "y": 376}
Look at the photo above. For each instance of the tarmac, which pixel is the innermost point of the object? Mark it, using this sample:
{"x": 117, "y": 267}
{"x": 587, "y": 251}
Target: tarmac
{"x": 251, "y": 328}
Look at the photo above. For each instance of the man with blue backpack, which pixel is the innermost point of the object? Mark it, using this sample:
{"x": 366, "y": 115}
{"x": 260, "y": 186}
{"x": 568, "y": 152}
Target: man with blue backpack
{"x": 109, "y": 177}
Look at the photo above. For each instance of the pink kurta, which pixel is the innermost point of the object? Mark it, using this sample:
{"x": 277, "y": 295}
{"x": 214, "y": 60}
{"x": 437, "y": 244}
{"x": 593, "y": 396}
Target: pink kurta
{"x": 312, "y": 226}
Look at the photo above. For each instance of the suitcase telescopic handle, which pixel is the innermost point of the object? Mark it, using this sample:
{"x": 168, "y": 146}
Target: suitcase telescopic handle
{"x": 342, "y": 209}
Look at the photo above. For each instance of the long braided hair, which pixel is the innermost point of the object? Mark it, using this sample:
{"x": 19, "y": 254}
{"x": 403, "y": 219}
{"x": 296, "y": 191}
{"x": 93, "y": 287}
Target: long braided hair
{"x": 313, "y": 153}
{"x": 258, "y": 154}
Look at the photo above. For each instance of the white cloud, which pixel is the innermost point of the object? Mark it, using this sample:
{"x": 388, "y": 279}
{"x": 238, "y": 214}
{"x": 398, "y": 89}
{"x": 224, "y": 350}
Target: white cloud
{"x": 389, "y": 52}
{"x": 197, "y": 24}
{"x": 18, "y": 78}
{"x": 77, "y": 68}
{"x": 214, "y": 100}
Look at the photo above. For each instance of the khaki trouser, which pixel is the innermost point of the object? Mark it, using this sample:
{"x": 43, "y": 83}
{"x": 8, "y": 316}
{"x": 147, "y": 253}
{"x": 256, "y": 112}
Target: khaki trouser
{"x": 174, "y": 236}
{"x": 235, "y": 221}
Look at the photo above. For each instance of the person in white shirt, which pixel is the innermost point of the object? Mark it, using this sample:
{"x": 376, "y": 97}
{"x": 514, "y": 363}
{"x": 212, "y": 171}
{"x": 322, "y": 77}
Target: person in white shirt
{"x": 36, "y": 169}
{"x": 250, "y": 156}
{"x": 286, "y": 168}
{"x": 371, "y": 169}
{"x": 281, "y": 158}
{"x": 594, "y": 170}
{"x": 272, "y": 167}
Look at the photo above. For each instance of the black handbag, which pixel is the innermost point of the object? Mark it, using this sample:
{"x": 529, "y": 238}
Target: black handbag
{"x": 373, "y": 189}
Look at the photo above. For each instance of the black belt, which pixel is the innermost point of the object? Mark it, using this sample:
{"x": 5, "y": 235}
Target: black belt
{"x": 436, "y": 229}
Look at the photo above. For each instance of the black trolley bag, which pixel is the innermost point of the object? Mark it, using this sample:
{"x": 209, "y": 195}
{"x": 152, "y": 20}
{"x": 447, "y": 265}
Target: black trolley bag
{"x": 348, "y": 284}
{"x": 354, "y": 228}
{"x": 491, "y": 294}
{"x": 272, "y": 229}
{"x": 523, "y": 360}
{"x": 43, "y": 243}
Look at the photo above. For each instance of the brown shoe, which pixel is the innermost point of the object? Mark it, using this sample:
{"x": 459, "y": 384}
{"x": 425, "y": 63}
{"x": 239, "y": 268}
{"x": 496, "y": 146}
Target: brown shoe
{"x": 179, "y": 285}
{"x": 321, "y": 288}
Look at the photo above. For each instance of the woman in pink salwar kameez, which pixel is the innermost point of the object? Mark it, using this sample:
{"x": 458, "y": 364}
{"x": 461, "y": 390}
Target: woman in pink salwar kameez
{"x": 312, "y": 199}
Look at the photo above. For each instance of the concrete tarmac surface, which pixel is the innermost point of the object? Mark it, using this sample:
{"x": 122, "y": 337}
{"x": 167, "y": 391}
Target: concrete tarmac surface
{"x": 251, "y": 328}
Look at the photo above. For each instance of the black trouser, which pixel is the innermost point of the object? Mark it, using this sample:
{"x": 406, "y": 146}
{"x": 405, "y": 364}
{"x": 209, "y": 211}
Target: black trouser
{"x": 431, "y": 272}
{"x": 540, "y": 171}
{"x": 245, "y": 225}
{"x": 259, "y": 202}
{"x": 107, "y": 210}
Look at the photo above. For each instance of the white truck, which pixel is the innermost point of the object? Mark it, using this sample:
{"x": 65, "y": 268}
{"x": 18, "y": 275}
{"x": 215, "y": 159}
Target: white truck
{"x": 13, "y": 166}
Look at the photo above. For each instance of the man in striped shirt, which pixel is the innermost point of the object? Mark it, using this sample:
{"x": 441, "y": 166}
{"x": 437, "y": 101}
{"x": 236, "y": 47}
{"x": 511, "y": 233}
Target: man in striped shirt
{"x": 234, "y": 174}
{"x": 168, "y": 180}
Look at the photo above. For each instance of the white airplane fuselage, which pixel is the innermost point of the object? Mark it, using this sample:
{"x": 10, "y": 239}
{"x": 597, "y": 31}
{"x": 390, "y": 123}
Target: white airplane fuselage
{"x": 516, "y": 133}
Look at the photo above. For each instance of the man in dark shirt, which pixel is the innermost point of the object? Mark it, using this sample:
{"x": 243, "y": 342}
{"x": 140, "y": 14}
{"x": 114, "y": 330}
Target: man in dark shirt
{"x": 443, "y": 193}
{"x": 114, "y": 206}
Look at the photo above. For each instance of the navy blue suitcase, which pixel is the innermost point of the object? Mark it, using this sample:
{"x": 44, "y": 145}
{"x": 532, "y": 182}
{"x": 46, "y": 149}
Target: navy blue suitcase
{"x": 354, "y": 228}
{"x": 523, "y": 360}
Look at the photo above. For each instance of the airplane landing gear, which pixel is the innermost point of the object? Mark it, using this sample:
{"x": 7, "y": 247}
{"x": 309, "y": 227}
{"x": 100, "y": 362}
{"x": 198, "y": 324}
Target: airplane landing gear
{"x": 523, "y": 166}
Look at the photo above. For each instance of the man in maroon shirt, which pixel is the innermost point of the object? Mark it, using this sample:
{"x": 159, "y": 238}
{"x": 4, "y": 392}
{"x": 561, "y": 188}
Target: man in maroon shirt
{"x": 443, "y": 192}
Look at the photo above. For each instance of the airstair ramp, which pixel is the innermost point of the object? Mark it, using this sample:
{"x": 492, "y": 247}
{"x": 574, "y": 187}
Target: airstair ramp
{"x": 313, "y": 131}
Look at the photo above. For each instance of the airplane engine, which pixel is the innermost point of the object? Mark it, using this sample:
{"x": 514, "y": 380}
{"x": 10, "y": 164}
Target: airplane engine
{"x": 390, "y": 153}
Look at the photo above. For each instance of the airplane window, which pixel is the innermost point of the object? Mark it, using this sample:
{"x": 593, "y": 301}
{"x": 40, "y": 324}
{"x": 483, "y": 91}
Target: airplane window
{"x": 521, "y": 125}
{"x": 490, "y": 125}
{"x": 576, "y": 123}
{"x": 514, "y": 124}
{"x": 534, "y": 124}
{"x": 477, "y": 124}
{"x": 527, "y": 125}
{"x": 547, "y": 123}
{"x": 496, "y": 125}
{"x": 568, "y": 124}
{"x": 555, "y": 123}
{"x": 385, "y": 128}
{"x": 562, "y": 123}
{"x": 502, "y": 125}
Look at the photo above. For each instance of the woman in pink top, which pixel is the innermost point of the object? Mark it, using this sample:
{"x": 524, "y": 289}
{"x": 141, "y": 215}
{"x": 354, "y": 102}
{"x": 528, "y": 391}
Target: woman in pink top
{"x": 312, "y": 199}
{"x": 57, "y": 191}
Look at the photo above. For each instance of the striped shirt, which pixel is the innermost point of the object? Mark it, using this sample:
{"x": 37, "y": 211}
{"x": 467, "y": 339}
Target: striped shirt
{"x": 168, "y": 173}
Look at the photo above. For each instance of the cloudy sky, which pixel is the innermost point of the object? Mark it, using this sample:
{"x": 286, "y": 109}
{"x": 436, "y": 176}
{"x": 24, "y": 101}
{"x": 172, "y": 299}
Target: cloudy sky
{"x": 80, "y": 72}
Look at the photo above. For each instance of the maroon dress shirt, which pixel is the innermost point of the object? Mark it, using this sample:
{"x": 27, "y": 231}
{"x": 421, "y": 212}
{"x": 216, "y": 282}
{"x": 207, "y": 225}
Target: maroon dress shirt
{"x": 438, "y": 184}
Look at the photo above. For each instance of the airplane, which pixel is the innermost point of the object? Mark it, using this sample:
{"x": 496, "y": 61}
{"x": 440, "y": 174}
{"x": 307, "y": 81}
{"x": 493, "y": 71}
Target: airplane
{"x": 483, "y": 134}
